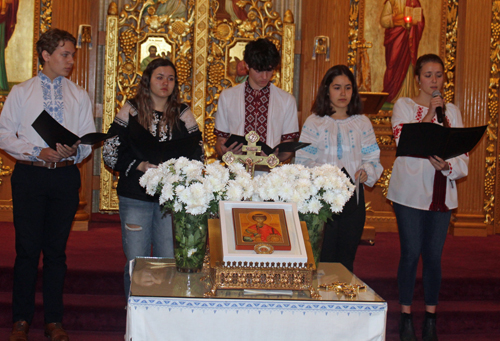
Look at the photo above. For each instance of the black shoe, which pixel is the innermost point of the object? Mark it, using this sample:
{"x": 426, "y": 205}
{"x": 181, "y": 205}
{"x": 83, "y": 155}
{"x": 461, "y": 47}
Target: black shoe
{"x": 406, "y": 330}
{"x": 429, "y": 332}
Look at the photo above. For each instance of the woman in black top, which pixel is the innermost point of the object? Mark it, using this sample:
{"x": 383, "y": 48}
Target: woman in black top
{"x": 151, "y": 128}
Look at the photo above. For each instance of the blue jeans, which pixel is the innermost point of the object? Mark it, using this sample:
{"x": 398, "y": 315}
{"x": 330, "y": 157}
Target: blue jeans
{"x": 144, "y": 225}
{"x": 421, "y": 232}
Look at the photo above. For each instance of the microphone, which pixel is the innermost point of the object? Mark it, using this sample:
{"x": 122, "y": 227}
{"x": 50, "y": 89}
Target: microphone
{"x": 439, "y": 110}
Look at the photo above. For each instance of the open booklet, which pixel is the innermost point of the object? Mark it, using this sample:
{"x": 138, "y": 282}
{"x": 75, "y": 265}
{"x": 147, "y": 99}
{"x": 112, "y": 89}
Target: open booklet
{"x": 283, "y": 147}
{"x": 427, "y": 139}
{"x": 52, "y": 132}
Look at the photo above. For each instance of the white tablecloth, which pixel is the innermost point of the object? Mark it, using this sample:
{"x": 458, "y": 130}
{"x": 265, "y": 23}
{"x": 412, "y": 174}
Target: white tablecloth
{"x": 197, "y": 319}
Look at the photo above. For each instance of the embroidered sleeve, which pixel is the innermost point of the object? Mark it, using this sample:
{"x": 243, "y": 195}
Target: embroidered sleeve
{"x": 396, "y": 130}
{"x": 219, "y": 133}
{"x": 117, "y": 152}
{"x": 291, "y": 136}
{"x": 110, "y": 152}
{"x": 370, "y": 153}
{"x": 187, "y": 117}
{"x": 311, "y": 155}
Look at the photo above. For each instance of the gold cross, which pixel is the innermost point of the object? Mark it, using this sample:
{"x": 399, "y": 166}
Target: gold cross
{"x": 251, "y": 159}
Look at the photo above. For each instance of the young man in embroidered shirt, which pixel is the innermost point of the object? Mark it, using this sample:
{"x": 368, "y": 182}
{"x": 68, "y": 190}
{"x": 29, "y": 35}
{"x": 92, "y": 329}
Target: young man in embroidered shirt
{"x": 257, "y": 104}
{"x": 45, "y": 181}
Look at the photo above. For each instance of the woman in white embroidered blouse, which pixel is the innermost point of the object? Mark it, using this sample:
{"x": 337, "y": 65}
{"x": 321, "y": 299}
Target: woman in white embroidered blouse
{"x": 340, "y": 135}
{"x": 423, "y": 192}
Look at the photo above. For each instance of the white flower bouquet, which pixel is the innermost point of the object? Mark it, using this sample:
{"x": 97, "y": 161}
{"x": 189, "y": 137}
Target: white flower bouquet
{"x": 322, "y": 190}
{"x": 191, "y": 191}
{"x": 318, "y": 192}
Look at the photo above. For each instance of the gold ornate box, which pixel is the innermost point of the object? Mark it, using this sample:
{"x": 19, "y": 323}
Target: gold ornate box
{"x": 254, "y": 275}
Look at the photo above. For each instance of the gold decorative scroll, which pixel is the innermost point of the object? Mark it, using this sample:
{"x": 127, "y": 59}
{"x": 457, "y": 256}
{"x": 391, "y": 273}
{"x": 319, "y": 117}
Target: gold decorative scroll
{"x": 141, "y": 24}
{"x": 450, "y": 47}
{"x": 491, "y": 148}
{"x": 224, "y": 35}
{"x": 356, "y": 20}
{"x": 4, "y": 170}
{"x": 43, "y": 15}
{"x": 109, "y": 199}
{"x": 383, "y": 181}
{"x": 200, "y": 61}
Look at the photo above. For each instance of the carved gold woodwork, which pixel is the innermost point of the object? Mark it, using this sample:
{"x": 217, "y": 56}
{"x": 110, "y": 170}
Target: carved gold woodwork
{"x": 129, "y": 36}
{"x": 450, "y": 49}
{"x": 384, "y": 180}
{"x": 355, "y": 31}
{"x": 491, "y": 148}
{"x": 4, "y": 171}
{"x": 201, "y": 49}
{"x": 226, "y": 38}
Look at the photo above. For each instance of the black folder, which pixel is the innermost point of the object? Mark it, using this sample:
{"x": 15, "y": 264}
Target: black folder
{"x": 52, "y": 132}
{"x": 427, "y": 139}
{"x": 283, "y": 147}
{"x": 147, "y": 147}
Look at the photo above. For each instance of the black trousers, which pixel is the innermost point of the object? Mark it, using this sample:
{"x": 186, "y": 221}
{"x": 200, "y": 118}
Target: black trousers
{"x": 45, "y": 202}
{"x": 343, "y": 232}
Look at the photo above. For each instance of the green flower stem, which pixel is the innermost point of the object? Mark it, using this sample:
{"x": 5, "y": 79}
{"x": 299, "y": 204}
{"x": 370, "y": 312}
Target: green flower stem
{"x": 315, "y": 228}
{"x": 190, "y": 241}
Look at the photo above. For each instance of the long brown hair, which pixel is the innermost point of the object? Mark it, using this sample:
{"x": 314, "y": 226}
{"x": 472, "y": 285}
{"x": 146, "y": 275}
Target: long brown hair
{"x": 145, "y": 105}
{"x": 322, "y": 105}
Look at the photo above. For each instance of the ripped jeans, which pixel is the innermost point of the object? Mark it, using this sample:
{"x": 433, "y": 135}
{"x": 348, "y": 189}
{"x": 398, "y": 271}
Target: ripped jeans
{"x": 143, "y": 226}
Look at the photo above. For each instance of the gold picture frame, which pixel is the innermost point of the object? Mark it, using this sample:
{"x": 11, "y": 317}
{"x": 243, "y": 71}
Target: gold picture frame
{"x": 41, "y": 12}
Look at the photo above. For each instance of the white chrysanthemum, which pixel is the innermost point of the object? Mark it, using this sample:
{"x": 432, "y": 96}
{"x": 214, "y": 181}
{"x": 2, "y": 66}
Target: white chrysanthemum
{"x": 314, "y": 205}
{"x": 185, "y": 196}
{"x": 303, "y": 207}
{"x": 234, "y": 192}
{"x": 180, "y": 164}
{"x": 329, "y": 197}
{"x": 286, "y": 191}
{"x": 167, "y": 193}
{"x": 297, "y": 197}
{"x": 178, "y": 207}
{"x": 191, "y": 252}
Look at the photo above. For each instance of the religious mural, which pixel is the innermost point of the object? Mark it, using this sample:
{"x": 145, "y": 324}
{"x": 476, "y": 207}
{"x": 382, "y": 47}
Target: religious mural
{"x": 404, "y": 24}
{"x": 396, "y": 32}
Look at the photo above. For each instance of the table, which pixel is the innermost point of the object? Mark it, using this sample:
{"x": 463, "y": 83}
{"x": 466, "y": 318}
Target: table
{"x": 167, "y": 305}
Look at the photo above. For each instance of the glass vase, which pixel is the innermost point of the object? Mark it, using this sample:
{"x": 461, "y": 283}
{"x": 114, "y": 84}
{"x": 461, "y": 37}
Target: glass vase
{"x": 190, "y": 241}
{"x": 315, "y": 228}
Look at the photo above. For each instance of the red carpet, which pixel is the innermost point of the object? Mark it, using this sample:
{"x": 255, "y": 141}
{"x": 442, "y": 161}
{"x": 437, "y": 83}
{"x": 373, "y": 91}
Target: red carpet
{"x": 94, "y": 303}
{"x": 469, "y": 307}
{"x": 94, "y": 298}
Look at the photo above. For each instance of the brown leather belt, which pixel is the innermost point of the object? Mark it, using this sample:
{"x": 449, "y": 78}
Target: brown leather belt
{"x": 49, "y": 165}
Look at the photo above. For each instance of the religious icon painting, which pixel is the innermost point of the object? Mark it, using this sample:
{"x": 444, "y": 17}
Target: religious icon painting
{"x": 253, "y": 226}
{"x": 236, "y": 69}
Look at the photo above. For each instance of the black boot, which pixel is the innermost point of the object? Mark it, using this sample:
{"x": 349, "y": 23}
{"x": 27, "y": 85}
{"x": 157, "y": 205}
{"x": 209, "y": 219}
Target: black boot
{"x": 429, "y": 332}
{"x": 406, "y": 330}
